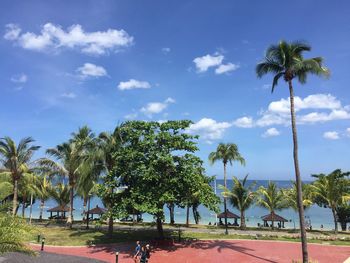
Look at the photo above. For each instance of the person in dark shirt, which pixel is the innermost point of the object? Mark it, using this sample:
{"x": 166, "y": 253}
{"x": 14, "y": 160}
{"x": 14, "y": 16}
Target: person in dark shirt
{"x": 137, "y": 251}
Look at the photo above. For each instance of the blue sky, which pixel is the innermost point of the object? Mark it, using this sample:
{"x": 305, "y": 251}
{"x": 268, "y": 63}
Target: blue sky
{"x": 65, "y": 64}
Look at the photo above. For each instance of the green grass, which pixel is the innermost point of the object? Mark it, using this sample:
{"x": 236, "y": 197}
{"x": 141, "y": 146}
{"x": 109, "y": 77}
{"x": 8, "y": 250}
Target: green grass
{"x": 61, "y": 236}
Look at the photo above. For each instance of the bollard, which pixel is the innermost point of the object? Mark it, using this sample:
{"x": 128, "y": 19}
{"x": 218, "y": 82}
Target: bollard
{"x": 42, "y": 243}
{"x": 116, "y": 257}
{"x": 39, "y": 236}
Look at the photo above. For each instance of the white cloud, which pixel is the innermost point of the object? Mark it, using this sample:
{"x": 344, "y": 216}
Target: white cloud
{"x": 207, "y": 61}
{"x": 133, "y": 84}
{"x": 20, "y": 78}
{"x": 91, "y": 70}
{"x": 166, "y": 50}
{"x": 131, "y": 116}
{"x": 325, "y": 108}
{"x": 54, "y": 37}
{"x": 331, "y": 135}
{"x": 348, "y": 132}
{"x": 244, "y": 122}
{"x": 224, "y": 68}
{"x": 156, "y": 107}
{"x": 272, "y": 132}
{"x": 209, "y": 129}
{"x": 69, "y": 95}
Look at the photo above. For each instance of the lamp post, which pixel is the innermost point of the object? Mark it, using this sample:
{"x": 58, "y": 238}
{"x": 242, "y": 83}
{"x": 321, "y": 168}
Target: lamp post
{"x": 88, "y": 216}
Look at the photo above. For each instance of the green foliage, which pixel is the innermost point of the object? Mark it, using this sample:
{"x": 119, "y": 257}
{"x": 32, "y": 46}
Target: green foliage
{"x": 271, "y": 198}
{"x": 227, "y": 153}
{"x": 286, "y": 60}
{"x": 60, "y": 193}
{"x": 291, "y": 196}
{"x": 156, "y": 163}
{"x": 13, "y": 233}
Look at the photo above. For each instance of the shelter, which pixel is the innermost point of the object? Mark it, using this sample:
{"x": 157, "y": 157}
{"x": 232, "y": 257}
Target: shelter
{"x": 230, "y": 215}
{"x": 59, "y": 210}
{"x": 272, "y": 217}
{"x": 96, "y": 211}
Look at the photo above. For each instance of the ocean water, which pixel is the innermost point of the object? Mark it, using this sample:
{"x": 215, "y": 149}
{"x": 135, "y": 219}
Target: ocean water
{"x": 315, "y": 215}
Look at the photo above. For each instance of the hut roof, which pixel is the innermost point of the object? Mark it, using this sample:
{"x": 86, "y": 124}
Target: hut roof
{"x": 97, "y": 210}
{"x": 229, "y": 215}
{"x": 273, "y": 217}
{"x": 59, "y": 208}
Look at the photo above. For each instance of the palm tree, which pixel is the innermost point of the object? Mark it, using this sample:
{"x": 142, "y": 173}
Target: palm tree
{"x": 27, "y": 189}
{"x": 241, "y": 196}
{"x": 271, "y": 198}
{"x": 109, "y": 143}
{"x": 44, "y": 187}
{"x": 60, "y": 193}
{"x": 227, "y": 153}
{"x": 291, "y": 196}
{"x": 15, "y": 159}
{"x": 332, "y": 191}
{"x": 286, "y": 60}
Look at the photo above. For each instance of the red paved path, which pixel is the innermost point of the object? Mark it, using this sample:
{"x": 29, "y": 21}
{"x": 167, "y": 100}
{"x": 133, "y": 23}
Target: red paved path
{"x": 213, "y": 251}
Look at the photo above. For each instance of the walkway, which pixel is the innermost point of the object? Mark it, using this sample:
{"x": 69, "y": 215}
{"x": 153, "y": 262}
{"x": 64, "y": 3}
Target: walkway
{"x": 211, "y": 251}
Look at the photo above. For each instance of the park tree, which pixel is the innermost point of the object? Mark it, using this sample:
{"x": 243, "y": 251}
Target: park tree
{"x": 332, "y": 191}
{"x": 154, "y": 165}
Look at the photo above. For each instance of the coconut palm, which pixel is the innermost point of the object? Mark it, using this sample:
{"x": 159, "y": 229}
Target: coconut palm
{"x": 271, "y": 198}
{"x": 285, "y": 60}
{"x": 109, "y": 144}
{"x": 44, "y": 186}
{"x": 27, "y": 189}
{"x": 332, "y": 191}
{"x": 60, "y": 193}
{"x": 291, "y": 195}
{"x": 15, "y": 159}
{"x": 227, "y": 153}
{"x": 241, "y": 196}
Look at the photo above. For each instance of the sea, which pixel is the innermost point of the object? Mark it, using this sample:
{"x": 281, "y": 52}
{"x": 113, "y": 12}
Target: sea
{"x": 315, "y": 216}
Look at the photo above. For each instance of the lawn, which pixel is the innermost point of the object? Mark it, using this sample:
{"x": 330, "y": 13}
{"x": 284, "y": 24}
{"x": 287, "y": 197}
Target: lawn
{"x": 61, "y": 236}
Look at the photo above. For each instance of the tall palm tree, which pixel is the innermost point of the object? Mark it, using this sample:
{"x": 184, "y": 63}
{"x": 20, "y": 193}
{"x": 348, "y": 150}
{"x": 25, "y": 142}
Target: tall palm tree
{"x": 241, "y": 196}
{"x": 44, "y": 187}
{"x": 61, "y": 194}
{"x": 109, "y": 143}
{"x": 27, "y": 189}
{"x": 285, "y": 60}
{"x": 15, "y": 159}
{"x": 271, "y": 198}
{"x": 227, "y": 153}
{"x": 331, "y": 191}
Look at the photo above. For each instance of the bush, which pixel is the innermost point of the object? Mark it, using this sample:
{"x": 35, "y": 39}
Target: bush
{"x": 13, "y": 233}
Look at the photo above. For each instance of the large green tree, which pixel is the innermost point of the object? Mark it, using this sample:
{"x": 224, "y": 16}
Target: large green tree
{"x": 153, "y": 164}
{"x": 332, "y": 191}
{"x": 227, "y": 154}
{"x": 285, "y": 60}
{"x": 241, "y": 196}
{"x": 15, "y": 160}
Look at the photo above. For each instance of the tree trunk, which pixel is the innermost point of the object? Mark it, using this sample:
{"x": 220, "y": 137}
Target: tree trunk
{"x": 15, "y": 197}
{"x": 110, "y": 226}
{"x": 31, "y": 209}
{"x": 84, "y": 208}
{"x": 335, "y": 221}
{"x": 160, "y": 227}
{"x": 225, "y": 206}
{"x": 297, "y": 177}
{"x": 70, "y": 216}
{"x": 343, "y": 225}
{"x": 171, "y": 207}
{"x": 41, "y": 209}
{"x": 195, "y": 214}
{"x": 243, "y": 226}
{"x": 187, "y": 215}
{"x": 23, "y": 205}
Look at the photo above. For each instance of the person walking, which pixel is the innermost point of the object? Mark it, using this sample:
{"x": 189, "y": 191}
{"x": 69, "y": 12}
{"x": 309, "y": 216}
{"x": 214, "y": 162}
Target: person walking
{"x": 137, "y": 251}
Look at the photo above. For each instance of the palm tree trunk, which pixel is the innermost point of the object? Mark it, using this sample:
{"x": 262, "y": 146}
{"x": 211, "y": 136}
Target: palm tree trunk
{"x": 70, "y": 216}
{"x": 84, "y": 207}
{"x": 335, "y": 221}
{"x": 23, "y": 205}
{"x": 297, "y": 176}
{"x": 187, "y": 215}
{"x": 242, "y": 220}
{"x": 225, "y": 205}
{"x": 41, "y": 209}
{"x": 15, "y": 197}
{"x": 31, "y": 209}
